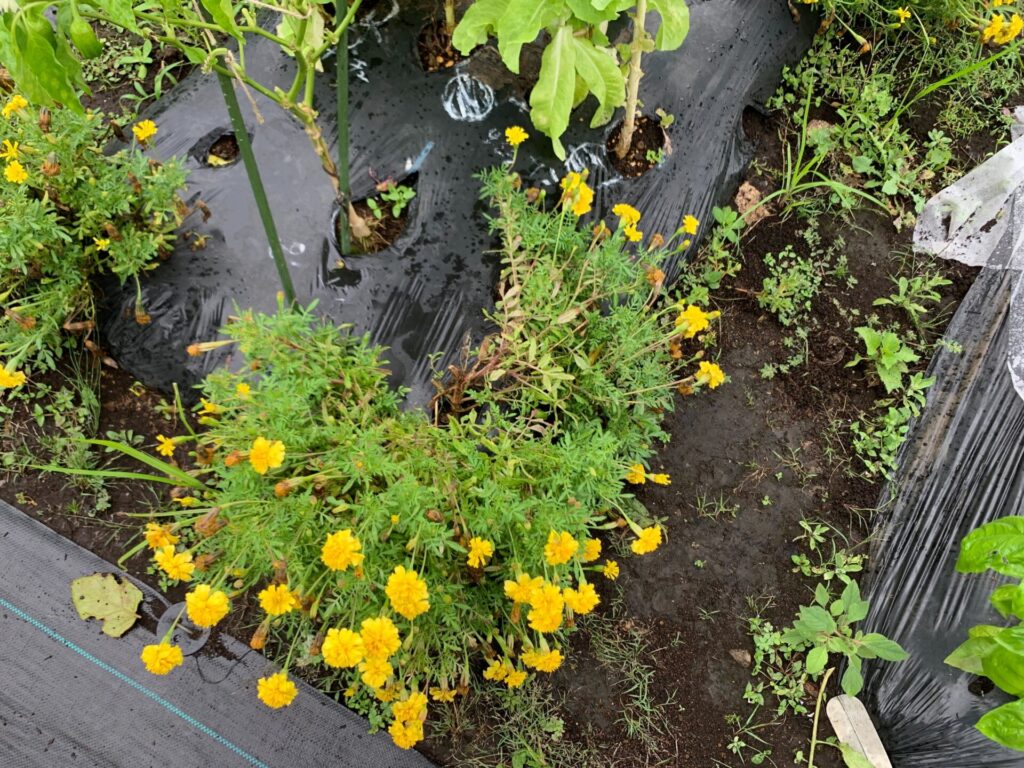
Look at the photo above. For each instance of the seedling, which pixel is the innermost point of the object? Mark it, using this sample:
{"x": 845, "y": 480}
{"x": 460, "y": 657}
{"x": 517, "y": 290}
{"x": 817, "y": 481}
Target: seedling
{"x": 889, "y": 355}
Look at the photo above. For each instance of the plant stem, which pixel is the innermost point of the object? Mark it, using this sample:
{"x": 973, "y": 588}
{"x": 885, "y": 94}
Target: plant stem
{"x": 252, "y": 170}
{"x": 633, "y": 84}
{"x": 449, "y": 18}
{"x": 341, "y": 78}
{"x": 817, "y": 713}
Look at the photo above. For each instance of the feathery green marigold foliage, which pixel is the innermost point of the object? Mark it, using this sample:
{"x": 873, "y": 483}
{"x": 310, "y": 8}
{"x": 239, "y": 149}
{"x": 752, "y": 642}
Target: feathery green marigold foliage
{"x": 392, "y": 550}
{"x": 70, "y": 213}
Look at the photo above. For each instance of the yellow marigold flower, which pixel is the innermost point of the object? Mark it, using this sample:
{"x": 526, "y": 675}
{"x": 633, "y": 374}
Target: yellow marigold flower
{"x": 690, "y": 224}
{"x": 407, "y": 593}
{"x": 443, "y": 694}
{"x": 144, "y": 131}
{"x": 177, "y": 565}
{"x": 633, "y": 234}
{"x": 341, "y": 550}
{"x": 591, "y": 550}
{"x": 11, "y": 379}
{"x": 521, "y": 590}
{"x": 206, "y": 606}
{"x": 162, "y": 658}
{"x": 693, "y": 320}
{"x": 159, "y": 536}
{"x": 15, "y": 172}
{"x": 101, "y": 243}
{"x": 342, "y": 648}
{"x": 406, "y": 734}
{"x": 386, "y": 694}
{"x": 411, "y": 708}
{"x": 276, "y": 691}
{"x": 9, "y": 150}
{"x": 380, "y": 638}
{"x": 648, "y": 540}
{"x": 515, "y": 678}
{"x": 208, "y": 409}
{"x": 1011, "y": 30}
{"x": 243, "y": 390}
{"x": 187, "y": 501}
{"x": 395, "y": 519}
{"x": 560, "y": 547}
{"x": 277, "y": 600}
{"x": 546, "y": 609}
{"x": 994, "y": 28}
{"x": 543, "y": 662}
{"x": 480, "y": 551}
{"x": 166, "y": 446}
{"x": 627, "y": 214}
{"x": 497, "y": 670}
{"x": 582, "y": 600}
{"x": 515, "y": 135}
{"x": 265, "y": 454}
{"x": 375, "y": 671}
{"x": 16, "y": 103}
{"x": 661, "y": 479}
{"x": 577, "y": 193}
{"x": 636, "y": 475}
{"x": 611, "y": 570}
{"x": 902, "y": 14}
{"x": 710, "y": 374}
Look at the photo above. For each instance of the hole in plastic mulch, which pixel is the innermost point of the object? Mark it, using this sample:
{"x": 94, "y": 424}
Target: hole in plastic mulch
{"x": 981, "y": 686}
{"x": 186, "y": 635}
{"x": 385, "y": 227}
{"x": 649, "y": 148}
{"x": 434, "y": 48}
{"x": 217, "y": 149}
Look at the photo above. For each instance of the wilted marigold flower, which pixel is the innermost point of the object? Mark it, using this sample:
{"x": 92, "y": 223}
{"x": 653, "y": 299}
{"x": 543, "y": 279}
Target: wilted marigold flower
{"x": 276, "y": 691}
{"x": 161, "y": 658}
{"x": 144, "y": 131}
{"x": 611, "y": 570}
{"x": 443, "y": 694}
{"x": 159, "y": 536}
{"x": 636, "y": 475}
{"x": 648, "y": 540}
{"x": 690, "y": 224}
{"x": 521, "y": 590}
{"x": 11, "y": 379}
{"x": 16, "y": 103}
{"x": 411, "y": 708}
{"x": 591, "y": 550}
{"x": 341, "y": 550}
{"x": 166, "y": 446}
{"x": 188, "y": 501}
{"x": 497, "y": 670}
{"x": 206, "y": 606}
{"x": 560, "y": 548}
{"x": 9, "y": 150}
{"x": 543, "y": 661}
{"x": 277, "y": 600}
{"x": 342, "y": 648}
{"x": 265, "y": 454}
{"x": 515, "y": 135}
{"x": 582, "y": 600}
{"x": 177, "y": 565}
{"x": 655, "y": 276}
{"x": 407, "y": 593}
{"x": 661, "y": 479}
{"x": 375, "y": 671}
{"x": 259, "y": 638}
{"x": 546, "y": 609}
{"x": 710, "y": 374}
{"x": 480, "y": 551}
{"x": 380, "y": 638}
{"x": 406, "y": 734}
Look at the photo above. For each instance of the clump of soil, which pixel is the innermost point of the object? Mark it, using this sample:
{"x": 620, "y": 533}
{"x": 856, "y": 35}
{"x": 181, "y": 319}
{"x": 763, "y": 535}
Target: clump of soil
{"x": 435, "y": 48}
{"x": 650, "y": 145}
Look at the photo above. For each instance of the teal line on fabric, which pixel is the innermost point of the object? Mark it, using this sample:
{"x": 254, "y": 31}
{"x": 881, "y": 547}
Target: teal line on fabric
{"x": 54, "y": 635}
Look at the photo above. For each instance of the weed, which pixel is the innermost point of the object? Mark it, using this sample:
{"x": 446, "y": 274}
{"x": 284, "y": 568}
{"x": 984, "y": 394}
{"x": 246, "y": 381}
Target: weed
{"x": 715, "y": 508}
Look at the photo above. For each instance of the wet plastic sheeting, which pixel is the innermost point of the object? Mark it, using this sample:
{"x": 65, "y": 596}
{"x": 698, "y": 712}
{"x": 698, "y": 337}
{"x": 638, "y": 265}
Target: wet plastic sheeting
{"x": 72, "y": 696}
{"x": 425, "y": 293}
{"x": 963, "y": 466}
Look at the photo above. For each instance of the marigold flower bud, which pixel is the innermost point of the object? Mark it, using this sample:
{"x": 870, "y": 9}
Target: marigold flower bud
{"x": 259, "y": 637}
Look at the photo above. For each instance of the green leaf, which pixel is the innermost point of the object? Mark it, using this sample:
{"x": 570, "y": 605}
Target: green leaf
{"x": 852, "y": 680}
{"x": 33, "y": 63}
{"x": 522, "y": 22}
{"x": 598, "y": 69}
{"x": 595, "y": 13}
{"x": 815, "y": 619}
{"x": 477, "y": 24}
{"x": 223, "y": 15}
{"x": 551, "y": 97}
{"x": 998, "y": 545}
{"x": 852, "y": 758}
{"x": 1004, "y": 663}
{"x": 675, "y": 23}
{"x": 101, "y": 596}
{"x": 969, "y": 654}
{"x": 882, "y": 647}
{"x": 1005, "y": 725}
{"x": 817, "y": 658}
{"x": 119, "y": 12}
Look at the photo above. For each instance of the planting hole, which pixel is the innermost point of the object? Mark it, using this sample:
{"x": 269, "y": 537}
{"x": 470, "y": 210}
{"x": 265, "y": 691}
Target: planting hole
{"x": 981, "y": 686}
{"x": 385, "y": 214}
{"x": 434, "y": 46}
{"x": 649, "y": 148}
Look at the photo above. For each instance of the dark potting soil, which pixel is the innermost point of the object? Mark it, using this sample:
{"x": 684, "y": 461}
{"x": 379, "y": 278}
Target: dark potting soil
{"x": 435, "y": 49}
{"x": 649, "y": 145}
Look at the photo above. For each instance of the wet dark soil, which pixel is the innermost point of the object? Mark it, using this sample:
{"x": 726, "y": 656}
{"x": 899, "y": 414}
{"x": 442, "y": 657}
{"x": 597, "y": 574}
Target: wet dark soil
{"x": 435, "y": 49}
{"x": 650, "y": 143}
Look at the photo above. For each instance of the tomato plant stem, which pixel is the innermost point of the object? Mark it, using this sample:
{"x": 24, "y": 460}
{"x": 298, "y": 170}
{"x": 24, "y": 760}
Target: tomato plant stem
{"x": 633, "y": 83}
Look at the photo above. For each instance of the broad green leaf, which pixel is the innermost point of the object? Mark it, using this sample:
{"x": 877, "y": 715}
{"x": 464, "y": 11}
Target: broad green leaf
{"x": 598, "y": 70}
{"x": 816, "y": 619}
{"x": 852, "y": 758}
{"x": 479, "y": 21}
{"x": 1009, "y": 600}
{"x": 817, "y": 658}
{"x": 289, "y": 30}
{"x": 883, "y": 647}
{"x": 968, "y": 656}
{"x": 102, "y": 596}
{"x": 223, "y": 15}
{"x": 596, "y": 13}
{"x": 522, "y": 22}
{"x": 998, "y": 545}
{"x": 852, "y": 681}
{"x": 1004, "y": 663}
{"x": 119, "y": 12}
{"x": 675, "y": 23}
{"x": 1005, "y": 725}
{"x": 551, "y": 98}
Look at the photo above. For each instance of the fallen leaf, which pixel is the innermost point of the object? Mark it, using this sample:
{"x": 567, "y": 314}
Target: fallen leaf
{"x": 102, "y": 596}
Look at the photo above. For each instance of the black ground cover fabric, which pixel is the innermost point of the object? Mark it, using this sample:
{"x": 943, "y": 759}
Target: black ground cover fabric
{"x": 427, "y": 291}
{"x": 73, "y": 697}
